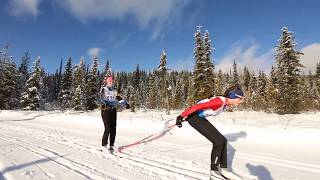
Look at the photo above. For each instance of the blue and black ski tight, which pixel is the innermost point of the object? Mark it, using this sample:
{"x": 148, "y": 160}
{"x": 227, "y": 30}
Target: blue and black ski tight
{"x": 219, "y": 148}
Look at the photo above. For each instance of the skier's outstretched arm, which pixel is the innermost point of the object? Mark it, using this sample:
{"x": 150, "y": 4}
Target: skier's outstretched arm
{"x": 214, "y": 104}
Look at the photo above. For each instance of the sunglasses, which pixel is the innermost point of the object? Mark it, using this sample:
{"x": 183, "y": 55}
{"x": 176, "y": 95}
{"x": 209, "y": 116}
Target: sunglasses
{"x": 240, "y": 97}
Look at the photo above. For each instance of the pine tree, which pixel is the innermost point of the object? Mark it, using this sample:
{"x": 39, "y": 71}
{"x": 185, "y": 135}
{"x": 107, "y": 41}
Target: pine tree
{"x": 92, "y": 86}
{"x": 31, "y": 97}
{"x": 78, "y": 99}
{"x": 65, "y": 95}
{"x": 288, "y": 74}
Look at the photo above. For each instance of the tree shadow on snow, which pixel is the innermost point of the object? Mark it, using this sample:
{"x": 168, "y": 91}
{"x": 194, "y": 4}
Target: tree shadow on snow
{"x": 21, "y": 166}
{"x": 260, "y": 171}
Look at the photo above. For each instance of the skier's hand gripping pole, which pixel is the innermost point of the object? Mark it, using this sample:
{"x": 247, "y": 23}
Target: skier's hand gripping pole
{"x": 179, "y": 121}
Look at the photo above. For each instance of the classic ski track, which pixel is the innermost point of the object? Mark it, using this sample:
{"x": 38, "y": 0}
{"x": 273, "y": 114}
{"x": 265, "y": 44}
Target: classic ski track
{"x": 138, "y": 159}
{"x": 67, "y": 163}
{"x": 239, "y": 155}
{"x": 253, "y": 157}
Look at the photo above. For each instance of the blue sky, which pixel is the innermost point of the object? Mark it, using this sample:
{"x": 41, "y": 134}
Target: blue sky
{"x": 131, "y": 32}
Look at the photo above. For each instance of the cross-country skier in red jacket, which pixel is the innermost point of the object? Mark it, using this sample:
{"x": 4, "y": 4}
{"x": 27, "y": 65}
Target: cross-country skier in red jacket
{"x": 196, "y": 117}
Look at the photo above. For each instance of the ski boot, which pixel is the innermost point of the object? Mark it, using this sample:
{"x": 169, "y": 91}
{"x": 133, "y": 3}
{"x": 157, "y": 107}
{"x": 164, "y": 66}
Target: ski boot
{"x": 111, "y": 149}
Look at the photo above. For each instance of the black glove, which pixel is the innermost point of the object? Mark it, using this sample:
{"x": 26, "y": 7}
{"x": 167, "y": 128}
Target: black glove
{"x": 179, "y": 121}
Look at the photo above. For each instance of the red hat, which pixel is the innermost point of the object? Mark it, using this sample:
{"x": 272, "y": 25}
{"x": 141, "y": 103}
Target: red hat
{"x": 109, "y": 78}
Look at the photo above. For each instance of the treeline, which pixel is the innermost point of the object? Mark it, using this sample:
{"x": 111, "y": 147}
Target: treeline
{"x": 76, "y": 86}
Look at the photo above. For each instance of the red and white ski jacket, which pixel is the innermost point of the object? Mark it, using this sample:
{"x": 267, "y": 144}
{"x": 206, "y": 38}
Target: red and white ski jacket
{"x": 207, "y": 107}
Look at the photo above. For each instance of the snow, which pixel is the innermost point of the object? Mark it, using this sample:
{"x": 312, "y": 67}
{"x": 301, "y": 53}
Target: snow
{"x": 64, "y": 145}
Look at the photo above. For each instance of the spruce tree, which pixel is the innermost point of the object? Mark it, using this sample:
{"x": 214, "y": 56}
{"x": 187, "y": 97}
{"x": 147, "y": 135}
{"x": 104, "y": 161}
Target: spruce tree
{"x": 65, "y": 95}
{"x": 246, "y": 78}
{"x": 152, "y": 91}
{"x": 163, "y": 82}
{"x": 203, "y": 79}
{"x": 235, "y": 75}
{"x": 92, "y": 86}
{"x": 261, "y": 91}
{"x": 209, "y": 66}
{"x": 78, "y": 99}
{"x": 23, "y": 74}
{"x": 8, "y": 81}
{"x": 288, "y": 74}
{"x": 31, "y": 97}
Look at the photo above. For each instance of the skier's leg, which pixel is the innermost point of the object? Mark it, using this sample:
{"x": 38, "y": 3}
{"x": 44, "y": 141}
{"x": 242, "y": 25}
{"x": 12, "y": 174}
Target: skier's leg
{"x": 204, "y": 127}
{"x": 113, "y": 124}
{"x": 224, "y": 160}
{"x": 106, "y": 122}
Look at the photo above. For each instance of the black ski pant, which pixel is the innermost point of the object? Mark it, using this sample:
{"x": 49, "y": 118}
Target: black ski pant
{"x": 109, "y": 117}
{"x": 219, "y": 142}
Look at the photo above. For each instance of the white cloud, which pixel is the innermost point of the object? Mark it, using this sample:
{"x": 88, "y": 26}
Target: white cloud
{"x": 311, "y": 57}
{"x": 144, "y": 12}
{"x": 94, "y": 52}
{"x": 246, "y": 56}
{"x": 23, "y": 7}
{"x": 185, "y": 64}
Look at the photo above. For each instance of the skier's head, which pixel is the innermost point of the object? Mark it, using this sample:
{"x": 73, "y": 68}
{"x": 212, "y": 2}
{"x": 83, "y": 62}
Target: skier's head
{"x": 108, "y": 81}
{"x": 234, "y": 93}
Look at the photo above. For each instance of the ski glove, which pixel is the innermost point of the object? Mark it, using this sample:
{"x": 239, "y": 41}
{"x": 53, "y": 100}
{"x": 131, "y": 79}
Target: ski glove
{"x": 179, "y": 121}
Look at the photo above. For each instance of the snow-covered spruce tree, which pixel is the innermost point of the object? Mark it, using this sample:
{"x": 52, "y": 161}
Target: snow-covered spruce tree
{"x": 246, "y": 78}
{"x": 203, "y": 78}
{"x": 309, "y": 92}
{"x": 136, "y": 80}
{"x": 132, "y": 98}
{"x": 8, "y": 81}
{"x": 78, "y": 96}
{"x": 107, "y": 69}
{"x": 219, "y": 83}
{"x": 208, "y": 64}
{"x": 261, "y": 91}
{"x": 92, "y": 86}
{"x": 252, "y": 93}
{"x": 143, "y": 89}
{"x": 152, "y": 91}
{"x": 23, "y": 74}
{"x": 30, "y": 98}
{"x": 163, "y": 83}
{"x": 65, "y": 95}
{"x": 288, "y": 74}
{"x": 177, "y": 91}
{"x": 235, "y": 75}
